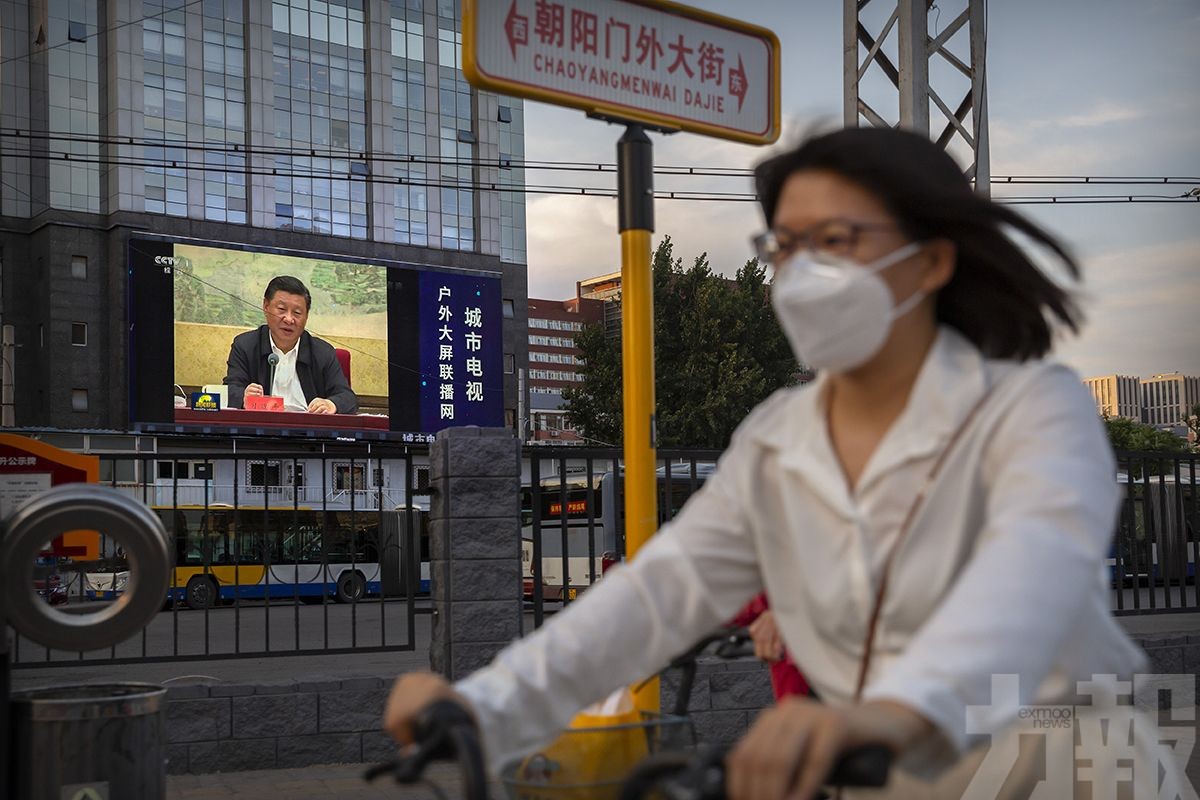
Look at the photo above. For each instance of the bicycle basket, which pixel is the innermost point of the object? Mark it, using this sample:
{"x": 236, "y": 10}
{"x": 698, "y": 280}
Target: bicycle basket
{"x": 590, "y": 761}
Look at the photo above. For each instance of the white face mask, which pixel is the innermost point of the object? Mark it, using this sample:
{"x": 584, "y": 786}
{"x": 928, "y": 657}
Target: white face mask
{"x": 837, "y": 313}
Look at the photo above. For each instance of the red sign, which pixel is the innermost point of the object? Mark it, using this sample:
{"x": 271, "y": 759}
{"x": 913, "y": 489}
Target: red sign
{"x": 642, "y": 60}
{"x": 573, "y": 507}
{"x": 28, "y": 467}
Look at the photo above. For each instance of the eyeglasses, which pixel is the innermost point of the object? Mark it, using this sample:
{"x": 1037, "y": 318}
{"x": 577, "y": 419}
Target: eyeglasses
{"x": 833, "y": 238}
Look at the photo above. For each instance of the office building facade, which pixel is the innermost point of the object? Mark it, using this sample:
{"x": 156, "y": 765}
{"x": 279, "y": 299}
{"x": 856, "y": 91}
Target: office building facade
{"x": 606, "y": 288}
{"x": 1116, "y": 396}
{"x": 555, "y": 364}
{"x": 1168, "y": 400}
{"x": 341, "y": 127}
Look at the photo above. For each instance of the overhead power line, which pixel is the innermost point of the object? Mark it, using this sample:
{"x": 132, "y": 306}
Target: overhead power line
{"x": 342, "y": 154}
{"x": 522, "y": 188}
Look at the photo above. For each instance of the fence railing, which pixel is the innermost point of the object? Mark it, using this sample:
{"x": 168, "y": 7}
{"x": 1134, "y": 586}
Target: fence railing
{"x": 573, "y": 523}
{"x": 1152, "y": 566}
{"x": 267, "y": 560}
{"x": 573, "y": 514}
{"x": 306, "y": 565}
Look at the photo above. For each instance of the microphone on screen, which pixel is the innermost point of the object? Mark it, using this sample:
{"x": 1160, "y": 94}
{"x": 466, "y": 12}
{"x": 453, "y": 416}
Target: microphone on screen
{"x": 273, "y": 360}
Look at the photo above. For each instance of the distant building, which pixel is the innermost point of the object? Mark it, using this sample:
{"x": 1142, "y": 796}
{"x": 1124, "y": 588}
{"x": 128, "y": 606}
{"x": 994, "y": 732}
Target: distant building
{"x": 1117, "y": 396}
{"x": 340, "y": 127}
{"x": 1167, "y": 400}
{"x": 554, "y": 364}
{"x": 608, "y": 289}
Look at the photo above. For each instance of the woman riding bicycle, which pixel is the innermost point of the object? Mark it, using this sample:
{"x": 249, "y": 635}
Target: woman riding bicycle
{"x": 934, "y": 510}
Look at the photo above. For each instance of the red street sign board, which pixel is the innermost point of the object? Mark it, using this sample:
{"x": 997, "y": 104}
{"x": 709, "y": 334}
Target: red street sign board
{"x": 29, "y": 467}
{"x": 641, "y": 60}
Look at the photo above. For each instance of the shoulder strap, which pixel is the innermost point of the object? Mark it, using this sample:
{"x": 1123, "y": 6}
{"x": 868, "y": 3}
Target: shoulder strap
{"x": 864, "y": 664}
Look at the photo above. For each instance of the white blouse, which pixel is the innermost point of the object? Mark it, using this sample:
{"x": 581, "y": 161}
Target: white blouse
{"x": 1002, "y": 572}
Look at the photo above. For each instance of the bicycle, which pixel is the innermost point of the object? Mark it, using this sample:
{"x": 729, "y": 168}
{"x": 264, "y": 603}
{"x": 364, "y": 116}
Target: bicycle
{"x": 446, "y": 731}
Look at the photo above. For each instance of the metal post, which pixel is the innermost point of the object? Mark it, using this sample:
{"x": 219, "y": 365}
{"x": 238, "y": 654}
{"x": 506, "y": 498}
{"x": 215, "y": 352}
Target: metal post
{"x": 6, "y": 784}
{"x": 866, "y": 42}
{"x": 914, "y": 66}
{"x": 983, "y": 163}
{"x": 635, "y": 200}
{"x": 850, "y": 63}
{"x": 7, "y": 376}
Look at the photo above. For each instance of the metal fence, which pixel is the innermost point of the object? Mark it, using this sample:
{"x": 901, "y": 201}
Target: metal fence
{"x": 573, "y": 515}
{"x": 275, "y": 554}
{"x": 311, "y": 553}
{"x": 1152, "y": 565}
{"x": 572, "y": 509}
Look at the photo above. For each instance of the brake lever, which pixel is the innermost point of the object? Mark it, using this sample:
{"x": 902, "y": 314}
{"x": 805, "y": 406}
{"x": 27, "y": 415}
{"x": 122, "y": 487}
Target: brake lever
{"x": 432, "y": 737}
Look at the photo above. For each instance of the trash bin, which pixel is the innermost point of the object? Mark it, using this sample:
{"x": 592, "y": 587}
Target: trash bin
{"x": 97, "y": 742}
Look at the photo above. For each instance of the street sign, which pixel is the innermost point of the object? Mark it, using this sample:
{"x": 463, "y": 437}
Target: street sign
{"x": 646, "y": 61}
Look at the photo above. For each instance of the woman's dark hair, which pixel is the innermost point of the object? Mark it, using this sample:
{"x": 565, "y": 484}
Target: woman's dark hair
{"x": 286, "y": 283}
{"x": 997, "y": 297}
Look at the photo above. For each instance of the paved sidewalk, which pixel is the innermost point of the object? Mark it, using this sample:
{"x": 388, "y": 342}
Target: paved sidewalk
{"x": 331, "y": 782}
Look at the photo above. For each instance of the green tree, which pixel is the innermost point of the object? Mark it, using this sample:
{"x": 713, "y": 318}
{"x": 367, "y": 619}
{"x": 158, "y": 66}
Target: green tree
{"x": 718, "y": 353}
{"x": 1127, "y": 434}
{"x": 595, "y": 407}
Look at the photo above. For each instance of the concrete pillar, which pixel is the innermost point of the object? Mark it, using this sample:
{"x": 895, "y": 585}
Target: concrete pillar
{"x": 475, "y": 547}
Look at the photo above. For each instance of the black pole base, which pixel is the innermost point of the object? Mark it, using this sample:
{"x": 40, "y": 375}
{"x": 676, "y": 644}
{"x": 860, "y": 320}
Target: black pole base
{"x": 635, "y": 180}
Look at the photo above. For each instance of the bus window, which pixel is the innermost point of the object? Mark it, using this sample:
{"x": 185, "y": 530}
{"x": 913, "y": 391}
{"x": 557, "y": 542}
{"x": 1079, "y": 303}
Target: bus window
{"x": 674, "y": 498}
{"x": 344, "y": 545}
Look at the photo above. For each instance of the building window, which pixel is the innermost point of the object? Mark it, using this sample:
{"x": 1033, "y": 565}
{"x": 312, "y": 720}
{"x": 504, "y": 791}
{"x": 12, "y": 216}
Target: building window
{"x": 319, "y": 118}
{"x": 79, "y": 334}
{"x": 79, "y": 399}
{"x": 449, "y": 48}
{"x": 504, "y": 114}
{"x": 76, "y": 32}
{"x": 509, "y": 308}
{"x": 182, "y": 470}
{"x": 263, "y": 474}
{"x": 79, "y": 267}
{"x": 347, "y": 477}
{"x": 509, "y": 364}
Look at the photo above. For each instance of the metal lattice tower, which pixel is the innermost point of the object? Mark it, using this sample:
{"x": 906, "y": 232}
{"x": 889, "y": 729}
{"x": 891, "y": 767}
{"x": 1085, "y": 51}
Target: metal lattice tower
{"x": 867, "y": 41}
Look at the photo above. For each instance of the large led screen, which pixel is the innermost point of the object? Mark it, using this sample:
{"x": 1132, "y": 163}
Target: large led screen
{"x": 397, "y": 348}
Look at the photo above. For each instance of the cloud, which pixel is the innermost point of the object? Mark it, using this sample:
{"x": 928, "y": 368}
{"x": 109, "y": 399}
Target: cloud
{"x": 1062, "y": 144}
{"x": 568, "y": 239}
{"x": 1105, "y": 113}
{"x": 1142, "y": 305}
{"x": 571, "y": 238}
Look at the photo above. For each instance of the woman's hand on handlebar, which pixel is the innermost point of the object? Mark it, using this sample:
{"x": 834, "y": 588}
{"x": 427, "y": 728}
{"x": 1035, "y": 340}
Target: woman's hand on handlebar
{"x": 792, "y": 747}
{"x": 768, "y": 645}
{"x": 411, "y": 694}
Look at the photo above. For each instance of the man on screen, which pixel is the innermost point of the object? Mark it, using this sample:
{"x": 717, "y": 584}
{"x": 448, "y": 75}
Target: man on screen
{"x": 307, "y": 376}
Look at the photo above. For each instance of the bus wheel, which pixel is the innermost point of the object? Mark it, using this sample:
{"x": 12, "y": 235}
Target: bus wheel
{"x": 201, "y": 592}
{"x": 350, "y": 587}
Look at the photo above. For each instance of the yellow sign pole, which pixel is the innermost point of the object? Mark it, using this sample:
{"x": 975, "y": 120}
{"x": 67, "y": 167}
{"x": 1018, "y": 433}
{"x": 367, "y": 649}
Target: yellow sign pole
{"x": 635, "y": 168}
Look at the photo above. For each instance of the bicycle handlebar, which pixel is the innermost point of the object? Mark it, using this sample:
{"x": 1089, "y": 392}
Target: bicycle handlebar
{"x": 444, "y": 731}
{"x": 678, "y": 776}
